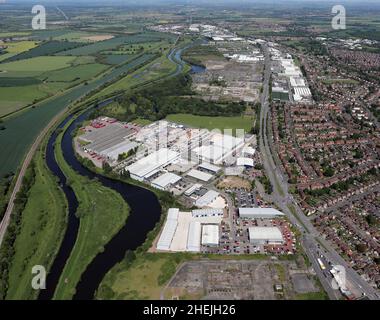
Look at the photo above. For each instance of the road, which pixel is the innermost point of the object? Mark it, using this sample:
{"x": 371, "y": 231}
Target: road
{"x": 312, "y": 242}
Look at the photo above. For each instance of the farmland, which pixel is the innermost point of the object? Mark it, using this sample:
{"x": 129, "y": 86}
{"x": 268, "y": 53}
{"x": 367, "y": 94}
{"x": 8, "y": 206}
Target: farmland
{"x": 114, "y": 43}
{"x": 45, "y": 49}
{"x": 154, "y": 70}
{"x": 37, "y": 64}
{"x": 13, "y": 139}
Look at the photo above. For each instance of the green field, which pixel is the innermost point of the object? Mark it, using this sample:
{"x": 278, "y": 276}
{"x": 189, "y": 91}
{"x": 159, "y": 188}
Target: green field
{"x": 210, "y": 123}
{"x": 76, "y": 73}
{"x": 115, "y": 43}
{"x": 102, "y": 213}
{"x": 143, "y": 279}
{"x": 154, "y": 70}
{"x": 42, "y": 227}
{"x": 44, "y": 49}
{"x": 37, "y": 64}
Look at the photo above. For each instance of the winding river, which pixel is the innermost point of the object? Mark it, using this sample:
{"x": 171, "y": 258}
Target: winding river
{"x": 145, "y": 211}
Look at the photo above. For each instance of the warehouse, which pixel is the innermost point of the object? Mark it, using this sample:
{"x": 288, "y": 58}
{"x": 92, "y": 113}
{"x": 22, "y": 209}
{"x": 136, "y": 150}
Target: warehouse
{"x": 192, "y": 189}
{"x": 248, "y": 152}
{"x": 209, "y": 167}
{"x": 199, "y": 175}
{"x": 165, "y": 181}
{"x": 244, "y": 162}
{"x": 206, "y": 199}
{"x": 194, "y": 237}
{"x": 156, "y": 160}
{"x": 210, "y": 235}
{"x": 265, "y": 236}
{"x": 259, "y": 213}
{"x": 221, "y": 147}
{"x": 169, "y": 229}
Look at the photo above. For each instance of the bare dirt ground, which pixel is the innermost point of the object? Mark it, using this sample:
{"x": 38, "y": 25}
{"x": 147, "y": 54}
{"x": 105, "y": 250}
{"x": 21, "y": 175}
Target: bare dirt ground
{"x": 233, "y": 182}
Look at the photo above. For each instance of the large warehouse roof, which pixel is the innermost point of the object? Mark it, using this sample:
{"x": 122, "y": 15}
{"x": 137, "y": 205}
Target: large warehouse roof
{"x": 247, "y": 162}
{"x": 165, "y": 180}
{"x": 194, "y": 237}
{"x": 259, "y": 212}
{"x": 265, "y": 234}
{"x": 210, "y": 234}
{"x": 203, "y": 176}
{"x": 207, "y": 198}
{"x": 209, "y": 166}
{"x": 169, "y": 229}
{"x": 157, "y": 159}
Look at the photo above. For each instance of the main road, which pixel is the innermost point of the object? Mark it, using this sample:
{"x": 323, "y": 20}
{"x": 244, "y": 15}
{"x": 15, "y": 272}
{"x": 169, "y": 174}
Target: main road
{"x": 311, "y": 241}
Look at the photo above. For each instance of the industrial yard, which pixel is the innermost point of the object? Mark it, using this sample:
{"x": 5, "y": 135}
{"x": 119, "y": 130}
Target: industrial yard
{"x": 241, "y": 280}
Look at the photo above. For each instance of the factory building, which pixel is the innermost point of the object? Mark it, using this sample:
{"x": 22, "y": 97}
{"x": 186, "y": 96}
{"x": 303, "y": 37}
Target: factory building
{"x": 220, "y": 147}
{"x": 248, "y": 152}
{"x": 209, "y": 167}
{"x": 199, "y": 175}
{"x": 151, "y": 164}
{"x": 192, "y": 189}
{"x": 265, "y": 236}
{"x": 169, "y": 229}
{"x": 259, "y": 213}
{"x": 109, "y": 141}
{"x": 165, "y": 181}
{"x": 244, "y": 162}
{"x": 210, "y": 235}
{"x": 194, "y": 237}
{"x": 206, "y": 199}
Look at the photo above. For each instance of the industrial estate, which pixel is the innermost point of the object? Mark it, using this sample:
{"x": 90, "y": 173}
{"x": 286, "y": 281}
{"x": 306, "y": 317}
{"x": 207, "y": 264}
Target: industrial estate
{"x": 212, "y": 153}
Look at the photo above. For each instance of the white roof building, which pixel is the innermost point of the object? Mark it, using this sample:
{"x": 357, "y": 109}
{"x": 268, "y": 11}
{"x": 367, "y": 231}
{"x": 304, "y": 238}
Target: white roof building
{"x": 206, "y": 199}
{"x": 169, "y": 229}
{"x": 192, "y": 189}
{"x": 200, "y": 175}
{"x": 165, "y": 180}
{"x": 249, "y": 151}
{"x": 209, "y": 167}
{"x": 265, "y": 235}
{"x": 257, "y": 213}
{"x": 221, "y": 146}
{"x": 210, "y": 235}
{"x": 158, "y": 159}
{"x": 194, "y": 237}
{"x": 246, "y": 162}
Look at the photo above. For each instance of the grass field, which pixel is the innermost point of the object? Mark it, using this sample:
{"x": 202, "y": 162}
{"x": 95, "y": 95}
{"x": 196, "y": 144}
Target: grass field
{"x": 37, "y": 64}
{"x": 80, "y": 72}
{"x": 154, "y": 70}
{"x": 141, "y": 279}
{"x": 114, "y": 43}
{"x": 15, "y": 48}
{"x": 45, "y": 49}
{"x": 102, "y": 213}
{"x": 210, "y": 123}
{"x": 42, "y": 227}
